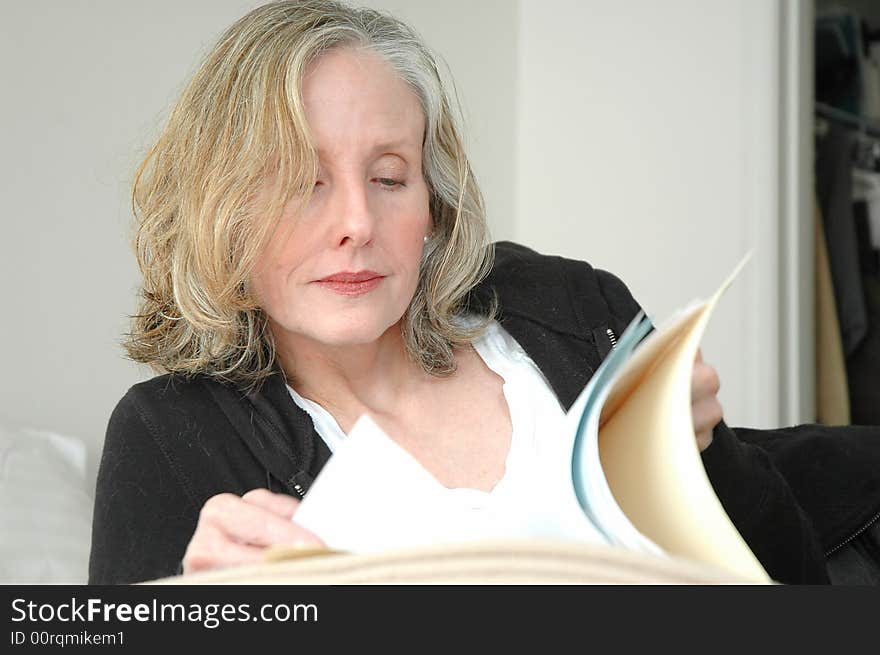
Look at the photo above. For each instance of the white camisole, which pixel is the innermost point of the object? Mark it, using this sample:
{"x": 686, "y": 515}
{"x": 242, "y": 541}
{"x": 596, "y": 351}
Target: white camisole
{"x": 535, "y": 414}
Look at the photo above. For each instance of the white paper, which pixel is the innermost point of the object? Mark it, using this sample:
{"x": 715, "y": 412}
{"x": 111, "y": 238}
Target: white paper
{"x": 373, "y": 495}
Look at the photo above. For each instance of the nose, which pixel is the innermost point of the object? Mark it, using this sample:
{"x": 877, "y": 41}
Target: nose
{"x": 355, "y": 220}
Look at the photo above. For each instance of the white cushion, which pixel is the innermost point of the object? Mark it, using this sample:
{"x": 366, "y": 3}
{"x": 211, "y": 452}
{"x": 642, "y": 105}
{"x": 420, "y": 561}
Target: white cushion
{"x": 45, "y": 507}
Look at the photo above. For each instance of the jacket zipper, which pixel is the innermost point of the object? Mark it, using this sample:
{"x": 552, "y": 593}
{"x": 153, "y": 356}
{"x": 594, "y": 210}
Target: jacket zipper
{"x": 298, "y": 488}
{"x": 611, "y": 337}
{"x": 855, "y": 534}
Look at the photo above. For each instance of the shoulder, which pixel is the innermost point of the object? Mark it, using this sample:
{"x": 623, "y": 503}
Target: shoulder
{"x": 169, "y": 426}
{"x": 140, "y": 455}
{"x": 512, "y": 258}
{"x": 176, "y": 395}
{"x": 171, "y": 411}
{"x": 200, "y": 412}
{"x": 167, "y": 391}
{"x": 156, "y": 405}
{"x": 565, "y": 291}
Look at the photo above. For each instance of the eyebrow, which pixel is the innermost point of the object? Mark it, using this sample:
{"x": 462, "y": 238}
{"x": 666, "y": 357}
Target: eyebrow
{"x": 389, "y": 147}
{"x": 396, "y": 144}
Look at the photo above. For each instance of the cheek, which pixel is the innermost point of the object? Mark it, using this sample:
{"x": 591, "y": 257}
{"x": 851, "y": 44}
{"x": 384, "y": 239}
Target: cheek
{"x": 411, "y": 236}
{"x": 266, "y": 291}
{"x": 409, "y": 242}
{"x": 275, "y": 270}
{"x": 414, "y": 224}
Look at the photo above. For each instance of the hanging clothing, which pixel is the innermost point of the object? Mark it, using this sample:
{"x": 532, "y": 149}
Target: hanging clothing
{"x": 866, "y": 188}
{"x": 834, "y": 185}
{"x": 863, "y": 364}
{"x": 838, "y": 60}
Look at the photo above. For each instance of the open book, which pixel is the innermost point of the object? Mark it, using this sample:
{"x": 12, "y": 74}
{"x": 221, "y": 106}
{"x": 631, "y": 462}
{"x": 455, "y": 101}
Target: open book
{"x": 624, "y": 471}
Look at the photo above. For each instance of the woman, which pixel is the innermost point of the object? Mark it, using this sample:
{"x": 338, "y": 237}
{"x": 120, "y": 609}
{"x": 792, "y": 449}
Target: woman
{"x": 314, "y": 247}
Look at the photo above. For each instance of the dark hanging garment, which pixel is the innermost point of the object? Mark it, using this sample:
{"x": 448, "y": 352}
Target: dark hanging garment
{"x": 863, "y": 365}
{"x": 834, "y": 186}
{"x": 838, "y": 61}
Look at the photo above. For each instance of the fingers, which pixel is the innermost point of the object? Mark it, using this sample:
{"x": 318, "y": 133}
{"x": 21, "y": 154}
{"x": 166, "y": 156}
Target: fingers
{"x": 704, "y": 381}
{"x": 705, "y": 406}
{"x": 249, "y": 523}
{"x": 285, "y": 506}
{"x": 704, "y": 440}
{"x": 214, "y": 550}
{"x": 707, "y": 413}
{"x": 235, "y": 530}
{"x": 280, "y": 504}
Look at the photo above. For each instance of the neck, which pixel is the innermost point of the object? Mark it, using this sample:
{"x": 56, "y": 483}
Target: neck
{"x": 351, "y": 379}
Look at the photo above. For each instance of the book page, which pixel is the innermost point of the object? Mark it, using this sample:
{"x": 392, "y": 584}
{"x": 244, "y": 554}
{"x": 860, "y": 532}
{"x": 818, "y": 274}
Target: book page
{"x": 582, "y": 424}
{"x": 650, "y": 457}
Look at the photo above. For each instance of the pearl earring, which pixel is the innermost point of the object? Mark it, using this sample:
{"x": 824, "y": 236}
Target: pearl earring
{"x": 426, "y": 238}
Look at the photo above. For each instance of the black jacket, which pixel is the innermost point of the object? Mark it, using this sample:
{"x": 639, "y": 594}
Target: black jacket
{"x": 173, "y": 443}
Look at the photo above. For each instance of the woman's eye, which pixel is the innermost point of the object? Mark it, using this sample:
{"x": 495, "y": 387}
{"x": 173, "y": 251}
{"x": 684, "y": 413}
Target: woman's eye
{"x": 390, "y": 183}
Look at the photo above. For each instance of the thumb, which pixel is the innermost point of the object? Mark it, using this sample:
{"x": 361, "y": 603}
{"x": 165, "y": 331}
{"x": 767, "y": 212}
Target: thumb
{"x": 280, "y": 504}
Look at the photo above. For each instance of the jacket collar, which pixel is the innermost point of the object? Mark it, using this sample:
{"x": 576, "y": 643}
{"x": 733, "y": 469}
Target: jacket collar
{"x": 548, "y": 290}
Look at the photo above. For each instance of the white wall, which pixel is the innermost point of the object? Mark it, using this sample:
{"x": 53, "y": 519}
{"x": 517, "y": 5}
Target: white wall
{"x": 647, "y": 143}
{"x": 637, "y": 135}
{"x": 85, "y": 87}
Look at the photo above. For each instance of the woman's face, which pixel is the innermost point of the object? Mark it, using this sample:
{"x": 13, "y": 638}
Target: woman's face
{"x": 369, "y": 210}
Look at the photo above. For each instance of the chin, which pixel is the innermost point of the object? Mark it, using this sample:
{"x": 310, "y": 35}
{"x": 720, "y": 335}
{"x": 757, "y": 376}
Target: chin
{"x": 353, "y": 331}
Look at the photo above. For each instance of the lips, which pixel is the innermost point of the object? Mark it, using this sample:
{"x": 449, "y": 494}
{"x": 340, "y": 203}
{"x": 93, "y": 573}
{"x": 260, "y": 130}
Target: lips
{"x": 347, "y": 277}
{"x": 349, "y": 283}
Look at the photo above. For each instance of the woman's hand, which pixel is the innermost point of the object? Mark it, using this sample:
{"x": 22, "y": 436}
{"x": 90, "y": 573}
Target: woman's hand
{"x": 705, "y": 408}
{"x": 233, "y": 531}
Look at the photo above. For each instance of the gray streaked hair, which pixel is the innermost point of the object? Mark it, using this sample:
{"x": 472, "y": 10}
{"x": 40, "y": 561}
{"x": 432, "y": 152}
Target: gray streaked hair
{"x": 239, "y": 123}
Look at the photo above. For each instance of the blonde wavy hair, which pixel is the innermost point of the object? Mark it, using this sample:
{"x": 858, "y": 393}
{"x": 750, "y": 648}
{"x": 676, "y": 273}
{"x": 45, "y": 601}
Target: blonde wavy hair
{"x": 240, "y": 123}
